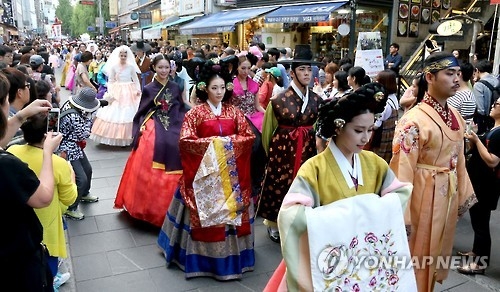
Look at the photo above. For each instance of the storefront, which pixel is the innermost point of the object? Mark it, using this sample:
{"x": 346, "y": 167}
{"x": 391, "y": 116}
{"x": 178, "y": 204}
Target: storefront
{"x": 326, "y": 26}
{"x": 171, "y": 26}
{"x": 236, "y": 27}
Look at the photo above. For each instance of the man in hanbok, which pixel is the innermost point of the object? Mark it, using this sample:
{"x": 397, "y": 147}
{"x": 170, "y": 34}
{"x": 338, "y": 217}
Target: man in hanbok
{"x": 428, "y": 152}
{"x": 140, "y": 49}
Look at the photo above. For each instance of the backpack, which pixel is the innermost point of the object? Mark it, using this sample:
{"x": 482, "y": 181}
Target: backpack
{"x": 485, "y": 123}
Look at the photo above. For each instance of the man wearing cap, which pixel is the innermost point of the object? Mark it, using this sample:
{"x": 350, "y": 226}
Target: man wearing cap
{"x": 37, "y": 64}
{"x": 75, "y": 125}
{"x": 288, "y": 136}
{"x": 140, "y": 48}
{"x": 428, "y": 151}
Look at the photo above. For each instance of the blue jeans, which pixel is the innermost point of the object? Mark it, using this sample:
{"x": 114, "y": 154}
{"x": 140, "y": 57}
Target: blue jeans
{"x": 83, "y": 175}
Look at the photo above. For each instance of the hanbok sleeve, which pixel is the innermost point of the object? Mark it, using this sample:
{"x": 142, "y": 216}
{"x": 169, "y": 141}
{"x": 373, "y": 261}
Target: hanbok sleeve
{"x": 189, "y": 141}
{"x": 135, "y": 79}
{"x": 269, "y": 125}
{"x": 244, "y": 137}
{"x": 292, "y": 226}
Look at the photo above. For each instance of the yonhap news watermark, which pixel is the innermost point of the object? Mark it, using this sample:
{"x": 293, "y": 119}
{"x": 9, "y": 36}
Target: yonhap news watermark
{"x": 399, "y": 262}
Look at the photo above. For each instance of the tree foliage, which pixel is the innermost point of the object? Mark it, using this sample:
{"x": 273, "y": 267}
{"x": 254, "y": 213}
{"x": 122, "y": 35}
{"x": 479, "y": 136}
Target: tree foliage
{"x": 64, "y": 13}
{"x": 83, "y": 17}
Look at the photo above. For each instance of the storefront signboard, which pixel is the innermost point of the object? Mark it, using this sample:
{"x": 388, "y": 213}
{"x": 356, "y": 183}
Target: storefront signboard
{"x": 449, "y": 27}
{"x": 187, "y": 7}
{"x": 303, "y": 13}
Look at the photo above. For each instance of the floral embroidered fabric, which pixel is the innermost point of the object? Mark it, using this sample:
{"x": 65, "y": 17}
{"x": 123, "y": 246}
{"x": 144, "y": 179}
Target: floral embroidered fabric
{"x": 216, "y": 186}
{"x": 444, "y": 112}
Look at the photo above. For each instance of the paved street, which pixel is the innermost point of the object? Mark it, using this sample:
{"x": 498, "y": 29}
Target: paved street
{"x": 110, "y": 251}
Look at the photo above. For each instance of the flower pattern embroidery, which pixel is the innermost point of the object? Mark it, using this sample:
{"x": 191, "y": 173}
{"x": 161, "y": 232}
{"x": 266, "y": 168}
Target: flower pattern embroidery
{"x": 341, "y": 266}
{"x": 406, "y": 140}
{"x": 163, "y": 103}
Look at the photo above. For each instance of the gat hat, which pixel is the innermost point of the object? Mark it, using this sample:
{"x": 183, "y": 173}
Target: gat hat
{"x": 274, "y": 71}
{"x": 25, "y": 49}
{"x": 36, "y": 60}
{"x": 140, "y": 45}
{"x": 302, "y": 54}
{"x": 85, "y": 100}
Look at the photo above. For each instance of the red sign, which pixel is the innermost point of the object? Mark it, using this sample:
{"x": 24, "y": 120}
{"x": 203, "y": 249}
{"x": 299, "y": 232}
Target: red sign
{"x": 493, "y": 2}
{"x": 91, "y": 2}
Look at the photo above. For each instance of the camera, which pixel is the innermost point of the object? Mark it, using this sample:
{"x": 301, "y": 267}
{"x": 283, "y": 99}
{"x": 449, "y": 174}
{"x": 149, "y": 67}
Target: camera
{"x": 53, "y": 120}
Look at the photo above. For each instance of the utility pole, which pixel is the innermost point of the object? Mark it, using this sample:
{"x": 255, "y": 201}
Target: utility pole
{"x": 497, "y": 50}
{"x": 101, "y": 21}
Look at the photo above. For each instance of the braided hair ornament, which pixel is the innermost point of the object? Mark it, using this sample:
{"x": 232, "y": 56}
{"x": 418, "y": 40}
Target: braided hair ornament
{"x": 334, "y": 114}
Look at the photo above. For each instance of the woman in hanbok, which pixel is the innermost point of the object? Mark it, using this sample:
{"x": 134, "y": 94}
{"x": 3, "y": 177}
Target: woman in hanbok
{"x": 288, "y": 136}
{"x": 246, "y": 99}
{"x": 341, "y": 172}
{"x": 113, "y": 123}
{"x": 208, "y": 229}
{"x": 154, "y": 168}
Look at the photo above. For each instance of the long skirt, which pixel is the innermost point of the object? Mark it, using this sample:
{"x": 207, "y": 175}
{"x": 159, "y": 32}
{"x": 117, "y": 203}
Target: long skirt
{"x": 222, "y": 260}
{"x": 146, "y": 190}
{"x": 113, "y": 123}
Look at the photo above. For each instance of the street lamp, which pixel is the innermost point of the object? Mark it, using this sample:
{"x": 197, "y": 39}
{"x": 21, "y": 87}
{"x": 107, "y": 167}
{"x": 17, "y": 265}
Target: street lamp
{"x": 447, "y": 26}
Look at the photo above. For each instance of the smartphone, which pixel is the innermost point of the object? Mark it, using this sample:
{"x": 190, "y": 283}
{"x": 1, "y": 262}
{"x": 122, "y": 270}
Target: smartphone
{"x": 53, "y": 120}
{"x": 468, "y": 128}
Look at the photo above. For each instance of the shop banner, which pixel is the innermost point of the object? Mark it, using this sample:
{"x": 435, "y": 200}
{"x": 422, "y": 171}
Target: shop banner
{"x": 369, "y": 53}
{"x": 303, "y": 13}
{"x": 56, "y": 31}
{"x": 187, "y": 7}
{"x": 113, "y": 7}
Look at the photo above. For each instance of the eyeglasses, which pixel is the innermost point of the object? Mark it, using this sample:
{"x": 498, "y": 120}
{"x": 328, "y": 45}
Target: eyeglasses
{"x": 27, "y": 85}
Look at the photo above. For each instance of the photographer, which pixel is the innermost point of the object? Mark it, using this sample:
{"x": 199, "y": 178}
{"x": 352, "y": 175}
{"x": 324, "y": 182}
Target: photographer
{"x": 75, "y": 124}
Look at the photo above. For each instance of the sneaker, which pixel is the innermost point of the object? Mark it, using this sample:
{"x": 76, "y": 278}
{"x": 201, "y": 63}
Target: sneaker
{"x": 74, "y": 214}
{"x": 60, "y": 279}
{"x": 89, "y": 199}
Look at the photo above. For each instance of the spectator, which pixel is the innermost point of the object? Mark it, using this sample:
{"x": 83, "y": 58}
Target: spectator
{"x": 463, "y": 101}
{"x": 483, "y": 94}
{"x": 22, "y": 251}
{"x": 32, "y": 153}
{"x": 75, "y": 126}
{"x": 394, "y": 60}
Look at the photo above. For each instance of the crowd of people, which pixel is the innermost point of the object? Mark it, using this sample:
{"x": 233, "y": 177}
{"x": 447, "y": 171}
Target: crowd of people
{"x": 220, "y": 136}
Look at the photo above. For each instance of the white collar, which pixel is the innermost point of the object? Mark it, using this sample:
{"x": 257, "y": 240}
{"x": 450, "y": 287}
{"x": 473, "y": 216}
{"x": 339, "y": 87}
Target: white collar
{"x": 217, "y": 110}
{"x": 304, "y": 97}
{"x": 345, "y": 166}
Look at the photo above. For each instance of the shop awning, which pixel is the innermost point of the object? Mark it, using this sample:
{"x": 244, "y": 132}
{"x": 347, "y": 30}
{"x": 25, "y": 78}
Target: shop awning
{"x": 135, "y": 34}
{"x": 178, "y": 21}
{"x": 303, "y": 13}
{"x": 223, "y": 21}
{"x": 121, "y": 26}
{"x": 152, "y": 33}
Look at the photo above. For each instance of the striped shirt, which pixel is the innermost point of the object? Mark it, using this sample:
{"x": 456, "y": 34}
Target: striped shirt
{"x": 464, "y": 102}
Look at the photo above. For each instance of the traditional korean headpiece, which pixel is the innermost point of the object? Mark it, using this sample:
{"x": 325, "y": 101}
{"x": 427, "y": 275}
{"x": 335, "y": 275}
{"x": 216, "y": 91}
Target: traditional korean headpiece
{"x": 440, "y": 61}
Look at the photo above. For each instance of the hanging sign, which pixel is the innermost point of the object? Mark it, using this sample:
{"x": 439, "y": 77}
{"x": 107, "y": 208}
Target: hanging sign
{"x": 449, "y": 27}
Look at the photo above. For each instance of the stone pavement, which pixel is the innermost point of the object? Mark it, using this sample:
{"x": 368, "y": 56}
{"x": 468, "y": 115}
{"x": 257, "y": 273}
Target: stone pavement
{"x": 110, "y": 251}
